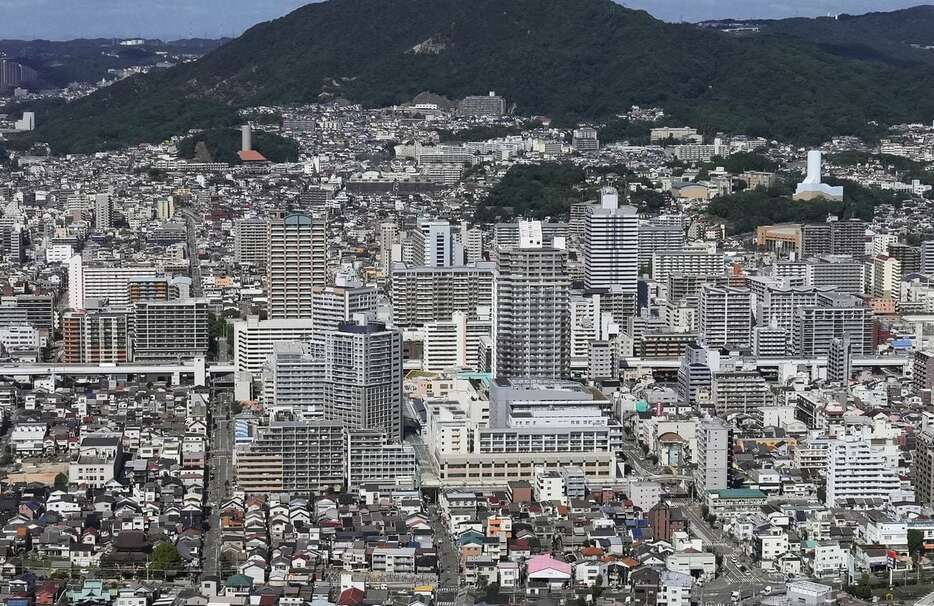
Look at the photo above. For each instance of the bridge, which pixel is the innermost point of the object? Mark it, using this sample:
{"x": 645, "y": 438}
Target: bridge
{"x": 196, "y": 368}
{"x": 856, "y": 362}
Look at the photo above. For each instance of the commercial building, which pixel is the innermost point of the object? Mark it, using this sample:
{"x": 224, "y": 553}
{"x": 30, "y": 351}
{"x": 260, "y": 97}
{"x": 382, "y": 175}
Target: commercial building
{"x": 296, "y": 264}
{"x": 531, "y": 323}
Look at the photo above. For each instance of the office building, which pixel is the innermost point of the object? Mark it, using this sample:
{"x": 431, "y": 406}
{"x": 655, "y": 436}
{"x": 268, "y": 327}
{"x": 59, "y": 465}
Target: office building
{"x": 714, "y": 456}
{"x": 170, "y": 330}
{"x": 611, "y": 245}
{"x": 251, "y": 242}
{"x": 431, "y": 294}
{"x": 293, "y": 456}
{"x": 834, "y": 316}
{"x": 531, "y": 324}
{"x": 860, "y": 468}
{"x": 96, "y": 336}
{"x": 296, "y": 264}
{"x": 724, "y": 317}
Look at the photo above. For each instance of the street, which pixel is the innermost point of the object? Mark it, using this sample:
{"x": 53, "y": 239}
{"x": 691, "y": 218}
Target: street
{"x": 221, "y": 477}
{"x": 448, "y": 560}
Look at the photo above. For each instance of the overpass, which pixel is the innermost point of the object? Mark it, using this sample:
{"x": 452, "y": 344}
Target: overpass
{"x": 856, "y": 362}
{"x": 197, "y": 369}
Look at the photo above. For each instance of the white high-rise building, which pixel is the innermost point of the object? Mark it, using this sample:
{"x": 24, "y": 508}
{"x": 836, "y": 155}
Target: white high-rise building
{"x": 102, "y": 282}
{"x": 434, "y": 244}
{"x": 336, "y": 304}
{"x": 297, "y": 263}
{"x": 611, "y": 245}
{"x": 714, "y": 456}
{"x": 254, "y": 339}
{"x": 388, "y": 240}
{"x": 860, "y": 467}
{"x": 725, "y": 316}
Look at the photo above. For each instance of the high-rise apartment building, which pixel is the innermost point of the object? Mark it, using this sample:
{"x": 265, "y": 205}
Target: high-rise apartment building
{"x": 297, "y": 263}
{"x": 372, "y": 459}
{"x": 686, "y": 261}
{"x": 840, "y": 360}
{"x": 834, "y": 316}
{"x": 434, "y": 245}
{"x": 886, "y": 277}
{"x": 724, "y": 316}
{"x": 611, "y": 245}
{"x": 362, "y": 376}
{"x": 254, "y": 339}
{"x": 102, "y": 282}
{"x": 585, "y": 139}
{"x": 334, "y": 305}
{"x": 251, "y": 242}
{"x": 479, "y": 105}
{"x": 388, "y": 241}
{"x": 103, "y": 212}
{"x": 431, "y": 294}
{"x": 96, "y": 336}
{"x": 860, "y": 468}
{"x": 714, "y": 456}
{"x": 293, "y": 456}
{"x": 170, "y": 330}
{"x": 531, "y": 322}
{"x": 922, "y": 470}
{"x": 923, "y": 370}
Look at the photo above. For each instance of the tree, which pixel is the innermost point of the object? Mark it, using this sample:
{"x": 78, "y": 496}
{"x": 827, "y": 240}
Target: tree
{"x": 165, "y": 557}
{"x": 916, "y": 544}
{"x": 61, "y": 481}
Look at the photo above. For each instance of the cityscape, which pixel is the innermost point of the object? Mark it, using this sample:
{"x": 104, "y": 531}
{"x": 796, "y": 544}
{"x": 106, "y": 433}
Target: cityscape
{"x": 460, "y": 349}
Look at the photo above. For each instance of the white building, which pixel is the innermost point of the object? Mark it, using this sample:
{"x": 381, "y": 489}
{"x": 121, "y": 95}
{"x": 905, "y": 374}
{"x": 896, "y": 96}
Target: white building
{"x": 254, "y": 338}
{"x": 611, "y": 244}
{"x": 860, "y": 467}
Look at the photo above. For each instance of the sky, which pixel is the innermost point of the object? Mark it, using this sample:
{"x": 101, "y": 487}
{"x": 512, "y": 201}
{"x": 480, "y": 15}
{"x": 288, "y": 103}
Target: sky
{"x": 66, "y": 19}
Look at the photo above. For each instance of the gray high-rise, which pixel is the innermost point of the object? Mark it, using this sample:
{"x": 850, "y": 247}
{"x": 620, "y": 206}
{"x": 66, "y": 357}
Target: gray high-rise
{"x": 531, "y": 327}
{"x": 297, "y": 263}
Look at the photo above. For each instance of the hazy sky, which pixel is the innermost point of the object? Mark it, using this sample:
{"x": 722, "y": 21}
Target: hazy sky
{"x": 63, "y": 19}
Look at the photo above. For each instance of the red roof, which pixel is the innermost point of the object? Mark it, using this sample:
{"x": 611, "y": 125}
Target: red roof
{"x": 251, "y": 156}
{"x": 351, "y": 597}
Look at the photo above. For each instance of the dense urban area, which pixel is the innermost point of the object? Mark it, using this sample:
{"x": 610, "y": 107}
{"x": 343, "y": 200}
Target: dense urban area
{"x": 441, "y": 353}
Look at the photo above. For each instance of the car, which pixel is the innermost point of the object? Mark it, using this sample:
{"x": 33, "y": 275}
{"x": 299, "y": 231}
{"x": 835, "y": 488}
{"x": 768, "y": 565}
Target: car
{"x": 767, "y": 590}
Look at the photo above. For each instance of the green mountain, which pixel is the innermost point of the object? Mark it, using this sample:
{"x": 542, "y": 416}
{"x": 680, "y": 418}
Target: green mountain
{"x": 900, "y": 38}
{"x": 569, "y": 59}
